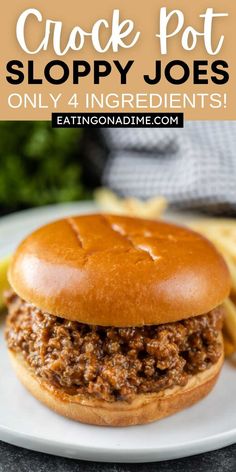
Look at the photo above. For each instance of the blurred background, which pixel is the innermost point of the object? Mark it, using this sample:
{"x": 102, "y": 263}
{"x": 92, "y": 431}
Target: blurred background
{"x": 39, "y": 165}
{"x": 193, "y": 168}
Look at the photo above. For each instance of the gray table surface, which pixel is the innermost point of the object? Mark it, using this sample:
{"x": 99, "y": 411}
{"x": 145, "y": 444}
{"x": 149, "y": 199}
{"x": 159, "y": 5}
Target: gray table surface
{"x": 15, "y": 459}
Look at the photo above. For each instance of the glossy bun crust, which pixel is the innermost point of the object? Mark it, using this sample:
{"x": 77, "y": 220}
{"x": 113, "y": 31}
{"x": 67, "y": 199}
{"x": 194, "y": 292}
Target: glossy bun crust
{"x": 143, "y": 409}
{"x": 119, "y": 271}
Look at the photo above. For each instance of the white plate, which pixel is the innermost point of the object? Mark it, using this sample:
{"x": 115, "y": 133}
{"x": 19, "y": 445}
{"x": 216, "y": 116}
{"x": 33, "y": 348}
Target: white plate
{"x": 209, "y": 425}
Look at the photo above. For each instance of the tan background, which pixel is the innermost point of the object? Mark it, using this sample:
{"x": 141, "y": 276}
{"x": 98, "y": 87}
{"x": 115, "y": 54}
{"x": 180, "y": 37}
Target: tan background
{"x": 145, "y": 52}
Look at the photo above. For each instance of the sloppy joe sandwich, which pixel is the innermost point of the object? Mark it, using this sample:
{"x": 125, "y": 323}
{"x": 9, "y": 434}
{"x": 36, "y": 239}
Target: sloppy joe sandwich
{"x": 116, "y": 320}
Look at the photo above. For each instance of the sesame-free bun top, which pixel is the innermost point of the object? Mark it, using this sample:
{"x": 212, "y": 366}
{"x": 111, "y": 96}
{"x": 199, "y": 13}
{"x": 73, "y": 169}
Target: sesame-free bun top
{"x": 118, "y": 271}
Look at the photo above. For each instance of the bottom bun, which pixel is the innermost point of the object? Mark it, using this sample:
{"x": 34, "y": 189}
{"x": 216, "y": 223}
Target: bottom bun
{"x": 144, "y": 408}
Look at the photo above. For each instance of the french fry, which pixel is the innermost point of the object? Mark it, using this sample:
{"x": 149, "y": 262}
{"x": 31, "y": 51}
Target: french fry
{"x": 229, "y": 348}
{"x": 222, "y": 233}
{"x": 4, "y": 285}
{"x": 227, "y": 245}
{"x": 232, "y": 270}
{"x": 230, "y": 320}
{"x": 110, "y": 202}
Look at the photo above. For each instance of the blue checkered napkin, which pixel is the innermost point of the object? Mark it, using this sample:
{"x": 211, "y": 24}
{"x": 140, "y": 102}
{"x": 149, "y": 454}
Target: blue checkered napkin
{"x": 194, "y": 167}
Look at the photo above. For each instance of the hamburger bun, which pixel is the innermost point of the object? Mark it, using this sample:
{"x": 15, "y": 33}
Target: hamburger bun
{"x": 119, "y": 271}
{"x": 144, "y": 408}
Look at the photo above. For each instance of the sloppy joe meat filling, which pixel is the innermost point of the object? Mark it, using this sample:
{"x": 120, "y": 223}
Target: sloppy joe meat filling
{"x": 112, "y": 363}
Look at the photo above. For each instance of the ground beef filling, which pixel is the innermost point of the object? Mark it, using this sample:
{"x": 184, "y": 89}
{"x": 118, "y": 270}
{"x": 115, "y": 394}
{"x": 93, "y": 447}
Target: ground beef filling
{"x": 112, "y": 363}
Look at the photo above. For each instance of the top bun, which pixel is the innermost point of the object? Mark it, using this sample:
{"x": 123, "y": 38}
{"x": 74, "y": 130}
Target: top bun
{"x": 118, "y": 271}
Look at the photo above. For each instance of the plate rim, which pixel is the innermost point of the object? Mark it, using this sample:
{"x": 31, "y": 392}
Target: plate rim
{"x": 105, "y": 453}
{"x": 113, "y": 454}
